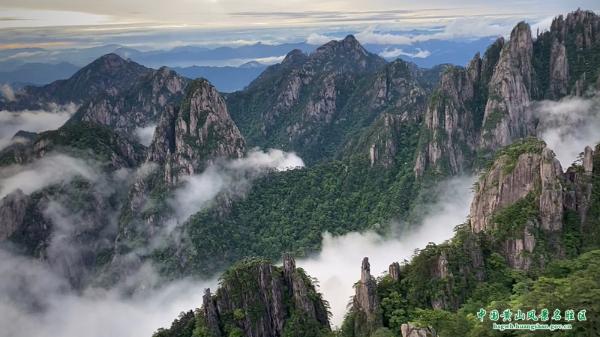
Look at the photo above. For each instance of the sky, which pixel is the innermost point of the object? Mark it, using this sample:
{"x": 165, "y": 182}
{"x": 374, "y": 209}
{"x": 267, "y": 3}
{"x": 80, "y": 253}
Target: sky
{"x": 157, "y": 23}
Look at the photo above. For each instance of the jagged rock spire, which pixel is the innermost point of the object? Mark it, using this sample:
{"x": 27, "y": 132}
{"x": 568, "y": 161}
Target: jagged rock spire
{"x": 394, "y": 271}
{"x": 211, "y": 314}
{"x": 588, "y": 160}
{"x": 366, "y": 302}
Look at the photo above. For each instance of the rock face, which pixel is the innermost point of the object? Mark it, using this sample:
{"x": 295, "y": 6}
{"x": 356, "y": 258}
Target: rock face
{"x": 195, "y": 134}
{"x": 478, "y": 109}
{"x": 394, "y": 271}
{"x": 108, "y": 74}
{"x": 137, "y": 106}
{"x": 507, "y": 116}
{"x": 85, "y": 140}
{"x": 187, "y": 139}
{"x": 454, "y": 116}
{"x": 257, "y": 299}
{"x": 365, "y": 305}
{"x": 410, "y": 330}
{"x": 308, "y": 103}
{"x": 12, "y": 213}
{"x": 526, "y": 194}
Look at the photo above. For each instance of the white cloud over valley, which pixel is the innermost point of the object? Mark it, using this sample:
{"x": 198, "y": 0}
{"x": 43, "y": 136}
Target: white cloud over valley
{"x": 337, "y": 266}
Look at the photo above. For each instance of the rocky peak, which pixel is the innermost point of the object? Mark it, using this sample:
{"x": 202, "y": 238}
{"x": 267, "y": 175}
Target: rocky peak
{"x": 12, "y": 213}
{"x": 507, "y": 116}
{"x": 196, "y": 133}
{"x": 295, "y": 57}
{"x": 138, "y": 106}
{"x": 520, "y": 193}
{"x": 516, "y": 172}
{"x": 365, "y": 271}
{"x": 394, "y": 271}
{"x": 107, "y": 75}
{"x": 588, "y": 160}
{"x": 365, "y": 305}
{"x": 257, "y": 299}
{"x": 520, "y": 51}
{"x": 412, "y": 330}
{"x": 347, "y": 54}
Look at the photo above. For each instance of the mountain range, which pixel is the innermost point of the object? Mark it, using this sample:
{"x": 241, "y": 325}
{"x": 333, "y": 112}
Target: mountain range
{"x": 375, "y": 138}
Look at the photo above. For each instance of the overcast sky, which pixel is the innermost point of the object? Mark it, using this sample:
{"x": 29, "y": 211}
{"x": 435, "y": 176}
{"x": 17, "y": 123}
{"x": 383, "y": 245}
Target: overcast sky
{"x": 66, "y": 23}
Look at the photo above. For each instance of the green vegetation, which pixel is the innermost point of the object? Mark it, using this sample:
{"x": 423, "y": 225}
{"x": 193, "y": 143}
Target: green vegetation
{"x": 247, "y": 302}
{"x": 510, "y": 221}
{"x": 493, "y": 119}
{"x": 511, "y": 153}
{"x": 289, "y": 211}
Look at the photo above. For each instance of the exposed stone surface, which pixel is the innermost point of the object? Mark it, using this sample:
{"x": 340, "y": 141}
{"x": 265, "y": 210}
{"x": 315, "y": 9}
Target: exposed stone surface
{"x": 485, "y": 106}
{"x": 262, "y": 293}
{"x": 507, "y": 116}
{"x": 454, "y": 115}
{"x": 138, "y": 106}
{"x": 366, "y": 306}
{"x": 12, "y": 213}
{"x": 410, "y": 330}
{"x": 196, "y": 134}
{"x": 559, "y": 70}
{"x": 108, "y": 74}
{"x": 535, "y": 175}
{"x": 394, "y": 271}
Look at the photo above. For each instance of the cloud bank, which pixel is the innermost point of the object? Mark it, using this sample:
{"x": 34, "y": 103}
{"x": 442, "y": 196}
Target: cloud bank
{"x": 569, "y": 125}
{"x": 145, "y": 134}
{"x": 337, "y": 266}
{"x": 232, "y": 177}
{"x": 32, "y": 120}
{"x": 49, "y": 170}
{"x": 53, "y": 309}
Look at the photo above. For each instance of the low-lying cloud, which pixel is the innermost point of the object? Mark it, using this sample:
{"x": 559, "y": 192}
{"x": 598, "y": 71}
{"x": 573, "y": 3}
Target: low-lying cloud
{"x": 52, "y": 309}
{"x": 145, "y": 134}
{"x": 49, "y": 170}
{"x": 337, "y": 266}
{"x": 7, "y": 92}
{"x": 198, "y": 191}
{"x": 569, "y": 125}
{"x": 33, "y": 121}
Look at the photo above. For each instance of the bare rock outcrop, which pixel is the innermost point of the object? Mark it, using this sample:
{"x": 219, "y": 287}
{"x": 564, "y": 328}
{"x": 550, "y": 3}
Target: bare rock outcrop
{"x": 197, "y": 133}
{"x": 138, "y": 106}
{"x": 256, "y": 299}
{"x": 12, "y": 212}
{"x": 411, "y": 330}
{"x": 365, "y": 305}
{"x": 522, "y": 192}
{"x": 507, "y": 116}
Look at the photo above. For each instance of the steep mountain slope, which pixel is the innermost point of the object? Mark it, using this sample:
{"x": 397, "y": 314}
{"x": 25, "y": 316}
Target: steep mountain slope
{"x": 137, "y": 106}
{"x": 525, "y": 219}
{"x": 315, "y": 104}
{"x": 64, "y": 209}
{"x": 292, "y": 105}
{"x": 188, "y": 139}
{"x": 492, "y": 108}
{"x": 108, "y": 74}
{"x": 257, "y": 299}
